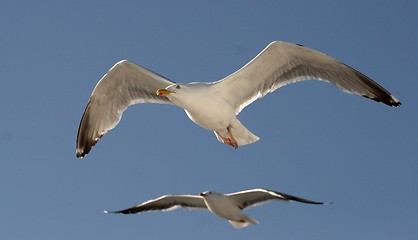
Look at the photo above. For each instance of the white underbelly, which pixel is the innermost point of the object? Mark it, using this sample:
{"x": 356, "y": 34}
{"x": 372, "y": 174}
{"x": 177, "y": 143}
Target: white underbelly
{"x": 225, "y": 209}
{"x": 215, "y": 116}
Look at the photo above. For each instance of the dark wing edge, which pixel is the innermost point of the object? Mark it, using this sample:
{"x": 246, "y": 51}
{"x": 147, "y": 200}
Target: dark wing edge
{"x": 84, "y": 143}
{"x": 123, "y": 85}
{"x": 166, "y": 203}
{"x": 256, "y": 197}
{"x": 380, "y": 94}
{"x": 288, "y": 197}
{"x": 283, "y": 63}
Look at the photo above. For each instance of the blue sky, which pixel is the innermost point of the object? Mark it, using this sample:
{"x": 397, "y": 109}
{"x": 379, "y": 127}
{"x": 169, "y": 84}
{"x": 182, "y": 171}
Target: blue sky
{"x": 316, "y": 142}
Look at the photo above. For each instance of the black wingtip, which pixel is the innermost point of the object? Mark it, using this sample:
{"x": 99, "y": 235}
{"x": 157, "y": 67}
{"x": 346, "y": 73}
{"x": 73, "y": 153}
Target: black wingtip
{"x": 80, "y": 154}
{"x": 397, "y": 104}
{"x": 84, "y": 145}
{"x": 85, "y": 142}
{"x": 83, "y": 151}
{"x": 125, "y": 211}
{"x": 392, "y": 101}
{"x": 302, "y": 200}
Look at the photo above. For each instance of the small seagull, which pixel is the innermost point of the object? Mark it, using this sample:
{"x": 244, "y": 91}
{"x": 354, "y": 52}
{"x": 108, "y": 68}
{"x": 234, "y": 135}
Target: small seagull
{"x": 215, "y": 105}
{"x": 227, "y": 206}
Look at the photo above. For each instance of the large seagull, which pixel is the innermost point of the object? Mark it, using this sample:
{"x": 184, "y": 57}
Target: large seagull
{"x": 227, "y": 206}
{"x": 215, "y": 105}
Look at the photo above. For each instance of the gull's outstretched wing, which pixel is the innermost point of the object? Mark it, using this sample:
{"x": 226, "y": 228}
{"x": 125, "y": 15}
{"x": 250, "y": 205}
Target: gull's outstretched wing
{"x": 166, "y": 203}
{"x": 282, "y": 63}
{"x": 123, "y": 85}
{"x": 255, "y": 197}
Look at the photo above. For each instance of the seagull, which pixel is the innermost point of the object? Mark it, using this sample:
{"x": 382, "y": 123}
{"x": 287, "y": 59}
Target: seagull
{"x": 215, "y": 105}
{"x": 227, "y": 206}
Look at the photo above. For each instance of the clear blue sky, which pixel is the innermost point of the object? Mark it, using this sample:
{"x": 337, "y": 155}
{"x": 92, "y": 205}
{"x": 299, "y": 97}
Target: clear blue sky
{"x": 316, "y": 142}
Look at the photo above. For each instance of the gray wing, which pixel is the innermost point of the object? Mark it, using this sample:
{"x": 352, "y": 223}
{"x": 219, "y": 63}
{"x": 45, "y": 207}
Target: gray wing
{"x": 123, "y": 85}
{"x": 255, "y": 197}
{"x": 282, "y": 63}
{"x": 166, "y": 203}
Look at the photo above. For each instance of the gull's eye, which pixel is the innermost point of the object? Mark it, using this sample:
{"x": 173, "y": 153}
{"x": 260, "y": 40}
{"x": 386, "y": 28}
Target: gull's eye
{"x": 178, "y": 87}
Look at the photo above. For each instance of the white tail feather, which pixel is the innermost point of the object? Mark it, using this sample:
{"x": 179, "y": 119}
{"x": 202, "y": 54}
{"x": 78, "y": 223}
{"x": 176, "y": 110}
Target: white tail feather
{"x": 244, "y": 223}
{"x": 239, "y": 224}
{"x": 241, "y": 134}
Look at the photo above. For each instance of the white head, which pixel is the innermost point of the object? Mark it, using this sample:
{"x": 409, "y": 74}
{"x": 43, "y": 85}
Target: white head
{"x": 210, "y": 193}
{"x": 181, "y": 88}
{"x": 183, "y": 94}
{"x": 169, "y": 90}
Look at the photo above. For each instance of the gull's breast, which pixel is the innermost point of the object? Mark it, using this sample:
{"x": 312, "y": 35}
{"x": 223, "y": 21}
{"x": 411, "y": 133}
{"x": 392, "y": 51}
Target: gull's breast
{"x": 224, "y": 208}
{"x": 210, "y": 111}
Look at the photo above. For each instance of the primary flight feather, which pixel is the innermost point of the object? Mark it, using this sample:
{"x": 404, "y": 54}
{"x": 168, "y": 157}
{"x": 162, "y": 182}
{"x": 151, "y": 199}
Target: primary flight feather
{"x": 215, "y": 105}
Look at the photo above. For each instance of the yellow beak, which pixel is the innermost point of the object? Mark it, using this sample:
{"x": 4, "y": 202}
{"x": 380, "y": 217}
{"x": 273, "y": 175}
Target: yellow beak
{"x": 163, "y": 92}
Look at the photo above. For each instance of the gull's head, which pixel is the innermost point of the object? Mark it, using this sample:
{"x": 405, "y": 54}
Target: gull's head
{"x": 164, "y": 92}
{"x": 184, "y": 95}
{"x": 188, "y": 89}
{"x": 206, "y": 193}
{"x": 210, "y": 194}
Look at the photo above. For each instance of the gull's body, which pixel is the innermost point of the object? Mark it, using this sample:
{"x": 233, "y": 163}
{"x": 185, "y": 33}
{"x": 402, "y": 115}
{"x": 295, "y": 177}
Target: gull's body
{"x": 216, "y": 116}
{"x": 215, "y": 105}
{"x": 227, "y": 206}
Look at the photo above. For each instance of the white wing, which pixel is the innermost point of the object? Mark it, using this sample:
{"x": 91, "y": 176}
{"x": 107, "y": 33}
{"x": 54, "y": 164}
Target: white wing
{"x": 166, "y": 203}
{"x": 282, "y": 63}
{"x": 255, "y": 197}
{"x": 123, "y": 85}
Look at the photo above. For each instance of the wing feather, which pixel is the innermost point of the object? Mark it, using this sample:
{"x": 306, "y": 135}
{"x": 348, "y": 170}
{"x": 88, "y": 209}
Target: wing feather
{"x": 256, "y": 197}
{"x": 123, "y": 85}
{"x": 166, "y": 203}
{"x": 282, "y": 63}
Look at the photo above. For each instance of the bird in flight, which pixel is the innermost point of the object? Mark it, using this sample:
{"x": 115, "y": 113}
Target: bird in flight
{"x": 215, "y": 105}
{"x": 227, "y": 206}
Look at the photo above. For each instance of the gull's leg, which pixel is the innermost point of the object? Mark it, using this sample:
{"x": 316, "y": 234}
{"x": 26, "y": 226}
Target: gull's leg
{"x": 231, "y": 140}
{"x": 235, "y": 135}
{"x": 225, "y": 140}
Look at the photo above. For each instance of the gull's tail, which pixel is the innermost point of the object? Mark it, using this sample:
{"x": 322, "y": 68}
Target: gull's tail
{"x": 243, "y": 223}
{"x": 241, "y": 134}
